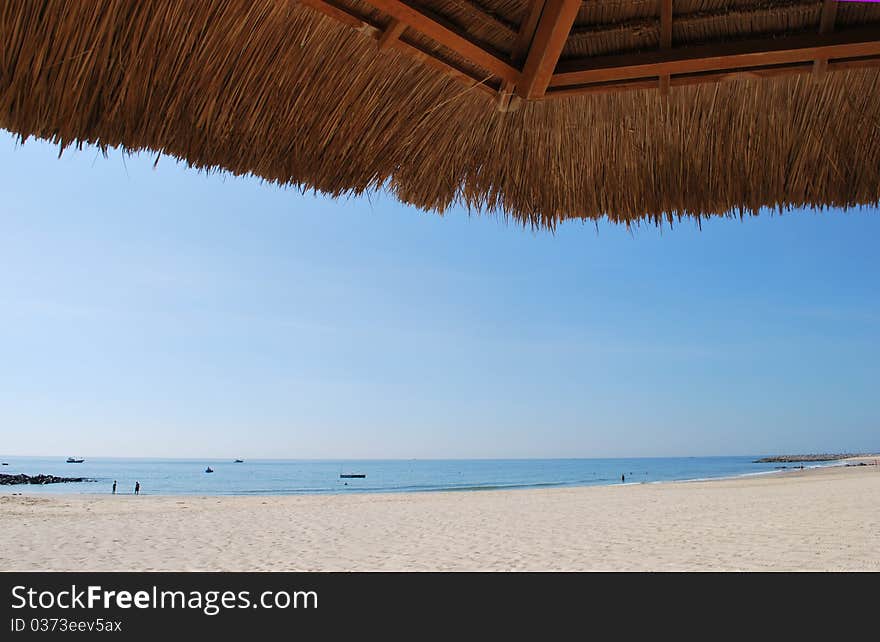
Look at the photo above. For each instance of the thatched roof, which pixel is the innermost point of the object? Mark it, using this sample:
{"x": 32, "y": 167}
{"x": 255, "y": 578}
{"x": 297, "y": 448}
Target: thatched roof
{"x": 631, "y": 109}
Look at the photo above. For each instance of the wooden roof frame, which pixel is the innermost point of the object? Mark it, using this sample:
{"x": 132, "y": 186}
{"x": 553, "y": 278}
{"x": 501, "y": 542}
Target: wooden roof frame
{"x": 557, "y": 19}
{"x": 533, "y": 70}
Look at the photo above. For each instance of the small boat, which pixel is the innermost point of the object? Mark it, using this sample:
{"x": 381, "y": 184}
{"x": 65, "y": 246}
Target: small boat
{"x": 5, "y": 463}
{"x": 209, "y": 470}
{"x": 239, "y": 461}
{"x": 74, "y": 460}
{"x": 352, "y": 476}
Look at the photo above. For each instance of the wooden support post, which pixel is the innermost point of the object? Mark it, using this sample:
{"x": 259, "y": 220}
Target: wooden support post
{"x": 826, "y": 25}
{"x": 665, "y": 39}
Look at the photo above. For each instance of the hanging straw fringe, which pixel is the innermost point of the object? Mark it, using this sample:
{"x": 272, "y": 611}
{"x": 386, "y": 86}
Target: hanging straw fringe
{"x": 276, "y": 90}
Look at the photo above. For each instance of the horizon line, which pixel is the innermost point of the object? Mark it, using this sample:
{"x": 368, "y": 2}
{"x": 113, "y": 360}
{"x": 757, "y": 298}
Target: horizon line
{"x": 321, "y": 459}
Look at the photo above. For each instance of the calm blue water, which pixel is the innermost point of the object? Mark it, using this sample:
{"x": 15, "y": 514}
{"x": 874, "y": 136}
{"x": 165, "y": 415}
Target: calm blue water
{"x": 276, "y": 477}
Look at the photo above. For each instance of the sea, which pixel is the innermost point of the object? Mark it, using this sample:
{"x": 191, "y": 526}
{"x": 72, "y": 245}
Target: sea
{"x": 294, "y": 477}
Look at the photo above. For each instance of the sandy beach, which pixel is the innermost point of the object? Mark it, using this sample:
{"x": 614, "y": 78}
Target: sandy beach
{"x": 815, "y": 519}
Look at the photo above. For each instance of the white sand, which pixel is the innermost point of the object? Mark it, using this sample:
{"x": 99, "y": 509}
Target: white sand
{"x": 825, "y": 519}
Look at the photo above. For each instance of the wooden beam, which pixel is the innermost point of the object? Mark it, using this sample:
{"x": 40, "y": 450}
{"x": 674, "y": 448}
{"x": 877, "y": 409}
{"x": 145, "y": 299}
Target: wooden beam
{"x": 428, "y": 58}
{"x": 361, "y": 25}
{"x": 665, "y": 24}
{"x": 337, "y": 13}
{"x": 829, "y": 16}
{"x": 665, "y": 38}
{"x": 481, "y": 13}
{"x": 853, "y": 43}
{"x": 826, "y": 25}
{"x": 526, "y": 33}
{"x": 392, "y": 32}
{"x": 507, "y": 98}
{"x": 556, "y": 21}
{"x": 793, "y": 69}
{"x": 452, "y": 39}
{"x": 856, "y": 48}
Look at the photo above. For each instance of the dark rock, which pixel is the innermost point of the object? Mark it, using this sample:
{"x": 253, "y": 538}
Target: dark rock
{"x": 780, "y": 459}
{"x": 14, "y": 480}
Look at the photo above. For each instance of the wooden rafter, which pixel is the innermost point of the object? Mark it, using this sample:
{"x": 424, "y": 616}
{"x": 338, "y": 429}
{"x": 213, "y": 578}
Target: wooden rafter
{"x": 826, "y": 25}
{"x": 482, "y": 14}
{"x": 361, "y": 25}
{"x": 392, "y": 32}
{"x": 526, "y": 33}
{"x": 451, "y": 38}
{"x": 507, "y": 101}
{"x": 665, "y": 38}
{"x": 854, "y": 43}
{"x": 555, "y": 24}
{"x": 546, "y": 26}
{"x": 829, "y": 16}
{"x": 794, "y": 69}
{"x": 338, "y": 14}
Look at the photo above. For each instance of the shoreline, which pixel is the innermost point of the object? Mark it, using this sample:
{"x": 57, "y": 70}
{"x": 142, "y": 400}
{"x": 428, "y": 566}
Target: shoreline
{"x": 870, "y": 460}
{"x": 823, "y": 518}
{"x": 848, "y": 462}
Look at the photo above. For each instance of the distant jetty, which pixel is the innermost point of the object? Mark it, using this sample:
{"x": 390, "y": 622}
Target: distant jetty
{"x": 13, "y": 480}
{"x": 797, "y": 458}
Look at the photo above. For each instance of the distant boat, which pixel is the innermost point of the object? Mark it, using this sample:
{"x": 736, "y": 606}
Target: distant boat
{"x": 352, "y": 476}
{"x": 209, "y": 470}
{"x": 239, "y": 461}
{"x": 74, "y": 460}
{"x": 4, "y": 464}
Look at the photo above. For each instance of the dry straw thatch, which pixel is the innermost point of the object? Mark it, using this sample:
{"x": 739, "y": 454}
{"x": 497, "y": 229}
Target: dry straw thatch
{"x": 275, "y": 89}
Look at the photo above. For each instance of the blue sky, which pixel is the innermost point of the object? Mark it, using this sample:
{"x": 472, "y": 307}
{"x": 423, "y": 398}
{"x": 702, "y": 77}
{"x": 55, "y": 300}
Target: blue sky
{"x": 166, "y": 312}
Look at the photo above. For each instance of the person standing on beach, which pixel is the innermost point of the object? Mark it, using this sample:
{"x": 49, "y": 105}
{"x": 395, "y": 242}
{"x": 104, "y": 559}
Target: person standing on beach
{"x": 114, "y": 486}
{"x": 137, "y": 488}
